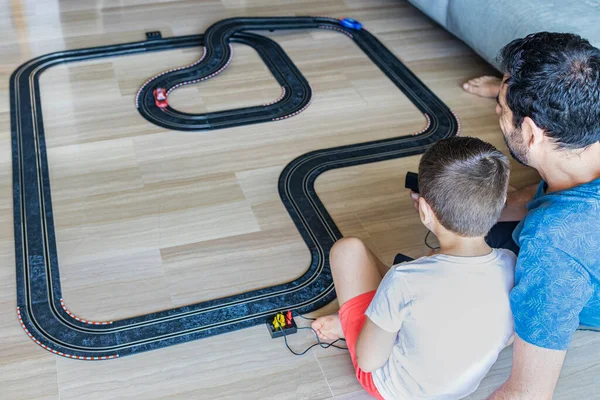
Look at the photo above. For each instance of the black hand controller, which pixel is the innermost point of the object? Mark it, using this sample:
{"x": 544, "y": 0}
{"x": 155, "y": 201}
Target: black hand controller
{"x": 412, "y": 181}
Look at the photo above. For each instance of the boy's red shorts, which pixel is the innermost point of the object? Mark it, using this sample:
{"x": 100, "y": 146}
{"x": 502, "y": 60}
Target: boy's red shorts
{"x": 352, "y": 317}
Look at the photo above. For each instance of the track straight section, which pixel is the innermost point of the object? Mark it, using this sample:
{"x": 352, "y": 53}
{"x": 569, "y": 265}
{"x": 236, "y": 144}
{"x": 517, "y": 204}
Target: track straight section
{"x": 41, "y": 310}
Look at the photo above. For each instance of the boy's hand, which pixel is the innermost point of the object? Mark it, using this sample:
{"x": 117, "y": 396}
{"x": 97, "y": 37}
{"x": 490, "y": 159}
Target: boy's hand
{"x": 415, "y": 200}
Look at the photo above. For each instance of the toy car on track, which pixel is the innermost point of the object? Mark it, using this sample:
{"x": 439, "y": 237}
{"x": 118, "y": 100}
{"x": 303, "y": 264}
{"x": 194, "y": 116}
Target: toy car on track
{"x": 351, "y": 23}
{"x": 160, "y": 98}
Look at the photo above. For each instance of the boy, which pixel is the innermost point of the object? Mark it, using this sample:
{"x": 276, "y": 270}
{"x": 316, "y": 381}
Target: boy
{"x": 433, "y": 327}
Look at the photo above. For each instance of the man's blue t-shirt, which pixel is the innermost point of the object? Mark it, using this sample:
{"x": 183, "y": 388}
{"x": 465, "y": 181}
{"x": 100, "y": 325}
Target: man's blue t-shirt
{"x": 557, "y": 277}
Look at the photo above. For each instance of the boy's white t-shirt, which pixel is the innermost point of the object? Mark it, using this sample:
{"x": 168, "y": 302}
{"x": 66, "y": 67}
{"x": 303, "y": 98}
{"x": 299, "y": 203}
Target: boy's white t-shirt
{"x": 453, "y": 318}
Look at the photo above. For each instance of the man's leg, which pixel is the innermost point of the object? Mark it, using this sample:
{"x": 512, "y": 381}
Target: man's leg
{"x": 484, "y": 86}
{"x": 355, "y": 271}
{"x": 500, "y": 236}
{"x": 401, "y": 258}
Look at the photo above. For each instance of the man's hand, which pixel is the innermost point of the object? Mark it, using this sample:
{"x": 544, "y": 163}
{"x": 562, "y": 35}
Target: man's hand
{"x": 516, "y": 203}
{"x": 534, "y": 374}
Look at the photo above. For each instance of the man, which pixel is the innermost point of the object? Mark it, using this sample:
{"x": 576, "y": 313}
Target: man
{"x": 549, "y": 110}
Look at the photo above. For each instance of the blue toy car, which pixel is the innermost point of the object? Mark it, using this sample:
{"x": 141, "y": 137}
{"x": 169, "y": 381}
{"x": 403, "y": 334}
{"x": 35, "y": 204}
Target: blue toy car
{"x": 351, "y": 23}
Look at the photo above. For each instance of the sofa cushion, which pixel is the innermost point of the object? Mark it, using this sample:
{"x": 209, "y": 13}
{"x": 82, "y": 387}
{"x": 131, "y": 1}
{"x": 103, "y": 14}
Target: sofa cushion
{"x": 486, "y": 26}
{"x": 435, "y": 9}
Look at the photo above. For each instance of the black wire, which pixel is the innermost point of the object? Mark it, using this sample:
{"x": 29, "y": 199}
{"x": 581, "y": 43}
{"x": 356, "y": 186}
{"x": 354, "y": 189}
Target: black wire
{"x": 303, "y": 317}
{"x": 427, "y": 244}
{"x": 326, "y": 345}
{"x": 292, "y": 351}
{"x": 319, "y": 343}
{"x": 311, "y": 319}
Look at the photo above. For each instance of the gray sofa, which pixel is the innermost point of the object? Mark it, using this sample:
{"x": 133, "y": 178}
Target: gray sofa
{"x": 487, "y": 25}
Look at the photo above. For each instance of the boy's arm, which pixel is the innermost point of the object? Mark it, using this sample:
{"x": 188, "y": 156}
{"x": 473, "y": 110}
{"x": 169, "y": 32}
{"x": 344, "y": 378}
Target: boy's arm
{"x": 374, "y": 346}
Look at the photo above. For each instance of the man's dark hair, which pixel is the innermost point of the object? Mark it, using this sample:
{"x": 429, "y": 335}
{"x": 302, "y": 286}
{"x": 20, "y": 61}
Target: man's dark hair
{"x": 554, "y": 78}
{"x": 464, "y": 180}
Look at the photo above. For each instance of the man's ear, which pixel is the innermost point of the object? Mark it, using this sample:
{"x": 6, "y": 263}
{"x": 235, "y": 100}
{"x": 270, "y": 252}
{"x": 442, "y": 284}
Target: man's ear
{"x": 534, "y": 135}
{"x": 425, "y": 212}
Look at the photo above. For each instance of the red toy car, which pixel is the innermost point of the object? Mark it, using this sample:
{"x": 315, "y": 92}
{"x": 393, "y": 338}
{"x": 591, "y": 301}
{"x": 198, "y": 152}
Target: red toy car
{"x": 160, "y": 98}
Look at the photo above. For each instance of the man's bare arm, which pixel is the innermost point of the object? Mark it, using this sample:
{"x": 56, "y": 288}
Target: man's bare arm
{"x": 516, "y": 203}
{"x": 534, "y": 374}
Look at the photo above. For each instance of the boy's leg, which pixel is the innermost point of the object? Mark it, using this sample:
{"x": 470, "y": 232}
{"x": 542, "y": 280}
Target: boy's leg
{"x": 356, "y": 271}
{"x": 356, "y": 274}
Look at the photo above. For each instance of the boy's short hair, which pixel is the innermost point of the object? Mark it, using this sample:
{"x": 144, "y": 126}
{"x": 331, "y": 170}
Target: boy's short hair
{"x": 464, "y": 180}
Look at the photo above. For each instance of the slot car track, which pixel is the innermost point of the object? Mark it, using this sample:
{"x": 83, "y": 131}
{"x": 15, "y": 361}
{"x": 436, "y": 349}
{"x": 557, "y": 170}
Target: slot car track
{"x": 40, "y": 308}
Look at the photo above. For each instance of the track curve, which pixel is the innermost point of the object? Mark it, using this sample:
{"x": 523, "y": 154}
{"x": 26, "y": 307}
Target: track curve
{"x": 40, "y": 308}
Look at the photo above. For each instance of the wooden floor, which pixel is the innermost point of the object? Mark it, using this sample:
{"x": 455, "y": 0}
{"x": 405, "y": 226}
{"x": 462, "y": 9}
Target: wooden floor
{"x": 149, "y": 219}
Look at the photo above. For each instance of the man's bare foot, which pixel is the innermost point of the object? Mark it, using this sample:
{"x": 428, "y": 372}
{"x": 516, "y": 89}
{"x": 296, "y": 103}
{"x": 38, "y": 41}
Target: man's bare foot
{"x": 328, "y": 327}
{"x": 484, "y": 86}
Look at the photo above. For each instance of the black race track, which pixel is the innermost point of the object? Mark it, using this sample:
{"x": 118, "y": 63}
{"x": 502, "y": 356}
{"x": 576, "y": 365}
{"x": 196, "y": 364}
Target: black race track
{"x": 41, "y": 311}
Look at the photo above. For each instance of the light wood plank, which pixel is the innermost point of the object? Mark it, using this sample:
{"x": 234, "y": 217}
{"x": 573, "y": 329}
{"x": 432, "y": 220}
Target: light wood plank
{"x": 147, "y": 219}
